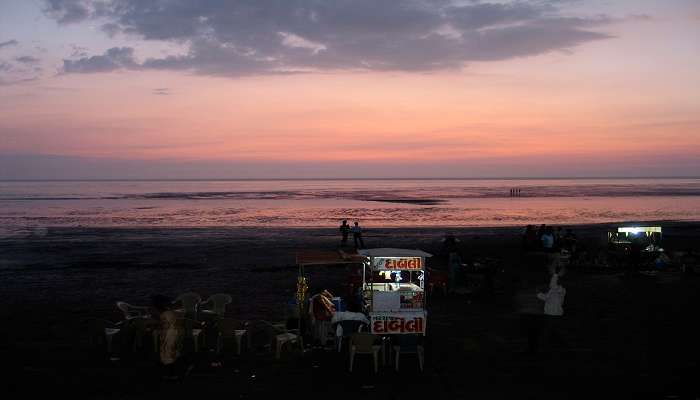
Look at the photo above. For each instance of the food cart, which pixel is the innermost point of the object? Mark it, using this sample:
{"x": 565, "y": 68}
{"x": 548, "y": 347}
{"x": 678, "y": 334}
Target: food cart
{"x": 393, "y": 290}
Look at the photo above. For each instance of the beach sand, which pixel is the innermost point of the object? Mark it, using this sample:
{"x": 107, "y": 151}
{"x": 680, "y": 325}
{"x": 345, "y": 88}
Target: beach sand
{"x": 626, "y": 337}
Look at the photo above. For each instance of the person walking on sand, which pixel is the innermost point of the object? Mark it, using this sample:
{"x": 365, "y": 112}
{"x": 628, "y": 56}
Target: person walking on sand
{"x": 344, "y": 231}
{"x": 553, "y": 307}
{"x": 357, "y": 235}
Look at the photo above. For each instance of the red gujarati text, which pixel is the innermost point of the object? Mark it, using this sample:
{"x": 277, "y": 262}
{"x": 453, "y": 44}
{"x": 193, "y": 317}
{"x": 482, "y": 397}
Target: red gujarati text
{"x": 403, "y": 263}
{"x": 398, "y": 325}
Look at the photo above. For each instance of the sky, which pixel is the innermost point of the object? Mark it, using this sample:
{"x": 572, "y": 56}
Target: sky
{"x": 183, "y": 89}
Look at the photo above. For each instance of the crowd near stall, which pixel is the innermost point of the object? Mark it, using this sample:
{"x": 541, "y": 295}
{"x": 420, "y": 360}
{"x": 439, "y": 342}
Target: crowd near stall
{"x": 379, "y": 309}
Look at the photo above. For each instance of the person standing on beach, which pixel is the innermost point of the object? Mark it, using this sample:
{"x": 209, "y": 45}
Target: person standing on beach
{"x": 321, "y": 311}
{"x": 553, "y": 307}
{"x": 171, "y": 340}
{"x": 530, "y": 238}
{"x": 344, "y": 231}
{"x": 357, "y": 236}
{"x": 551, "y": 252}
{"x": 558, "y": 238}
{"x": 541, "y": 232}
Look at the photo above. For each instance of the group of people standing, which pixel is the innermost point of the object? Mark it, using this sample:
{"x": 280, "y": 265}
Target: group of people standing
{"x": 356, "y": 231}
{"x": 549, "y": 240}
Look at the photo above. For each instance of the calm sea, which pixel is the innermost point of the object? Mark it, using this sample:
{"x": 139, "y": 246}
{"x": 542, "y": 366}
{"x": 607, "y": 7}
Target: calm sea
{"x": 323, "y": 203}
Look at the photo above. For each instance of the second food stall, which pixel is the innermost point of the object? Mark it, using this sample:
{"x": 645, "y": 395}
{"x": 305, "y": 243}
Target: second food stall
{"x": 393, "y": 290}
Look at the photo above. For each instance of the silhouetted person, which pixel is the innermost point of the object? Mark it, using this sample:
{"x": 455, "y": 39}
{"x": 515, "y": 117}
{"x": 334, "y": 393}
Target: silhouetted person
{"x": 636, "y": 248}
{"x": 530, "y": 238}
{"x": 344, "y": 231}
{"x": 449, "y": 243}
{"x": 570, "y": 241}
{"x": 540, "y": 232}
{"x": 558, "y": 238}
{"x": 547, "y": 239}
{"x": 357, "y": 235}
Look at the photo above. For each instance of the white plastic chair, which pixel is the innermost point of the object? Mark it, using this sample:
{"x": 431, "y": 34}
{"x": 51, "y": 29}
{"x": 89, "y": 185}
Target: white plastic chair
{"x": 273, "y": 336}
{"x": 216, "y": 304}
{"x": 287, "y": 337}
{"x": 364, "y": 343}
{"x": 409, "y": 344}
{"x": 345, "y": 329}
{"x": 130, "y": 311}
{"x": 103, "y": 331}
{"x": 230, "y": 328}
{"x": 191, "y": 331}
{"x": 190, "y": 302}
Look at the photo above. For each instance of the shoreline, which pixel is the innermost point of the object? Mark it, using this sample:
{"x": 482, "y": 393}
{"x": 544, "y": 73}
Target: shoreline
{"x": 668, "y": 223}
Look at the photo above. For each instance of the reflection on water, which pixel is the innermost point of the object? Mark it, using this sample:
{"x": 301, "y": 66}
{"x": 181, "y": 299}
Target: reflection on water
{"x": 319, "y": 203}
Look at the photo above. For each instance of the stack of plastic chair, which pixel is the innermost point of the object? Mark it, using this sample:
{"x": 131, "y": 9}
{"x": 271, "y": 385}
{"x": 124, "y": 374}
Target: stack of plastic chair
{"x": 216, "y": 304}
{"x": 189, "y": 303}
{"x": 191, "y": 331}
{"x": 130, "y": 311}
{"x": 104, "y": 333}
{"x": 230, "y": 329}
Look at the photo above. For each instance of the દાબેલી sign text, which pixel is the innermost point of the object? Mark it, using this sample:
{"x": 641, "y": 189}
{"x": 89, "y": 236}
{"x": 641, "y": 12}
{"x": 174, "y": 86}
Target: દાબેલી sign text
{"x": 397, "y": 263}
{"x": 398, "y": 323}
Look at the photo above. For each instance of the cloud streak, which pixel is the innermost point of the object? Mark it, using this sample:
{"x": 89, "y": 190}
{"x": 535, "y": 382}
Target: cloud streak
{"x": 247, "y": 37}
{"x": 161, "y": 91}
{"x": 113, "y": 59}
{"x": 8, "y": 43}
{"x": 27, "y": 60}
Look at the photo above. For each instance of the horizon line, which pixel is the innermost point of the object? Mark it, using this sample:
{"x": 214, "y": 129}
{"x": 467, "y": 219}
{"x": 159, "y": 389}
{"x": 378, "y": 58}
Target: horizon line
{"x": 339, "y": 179}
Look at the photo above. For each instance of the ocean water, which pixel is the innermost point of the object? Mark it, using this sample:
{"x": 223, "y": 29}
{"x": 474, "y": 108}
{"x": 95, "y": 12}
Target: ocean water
{"x": 33, "y": 205}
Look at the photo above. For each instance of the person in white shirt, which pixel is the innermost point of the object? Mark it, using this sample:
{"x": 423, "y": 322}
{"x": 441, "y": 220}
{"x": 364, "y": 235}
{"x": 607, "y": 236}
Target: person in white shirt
{"x": 553, "y": 308}
{"x": 554, "y": 298}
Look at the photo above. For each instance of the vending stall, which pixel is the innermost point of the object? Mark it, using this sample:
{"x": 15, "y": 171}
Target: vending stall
{"x": 649, "y": 237}
{"x": 393, "y": 290}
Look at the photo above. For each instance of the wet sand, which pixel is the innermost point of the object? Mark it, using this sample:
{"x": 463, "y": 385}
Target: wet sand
{"x": 630, "y": 337}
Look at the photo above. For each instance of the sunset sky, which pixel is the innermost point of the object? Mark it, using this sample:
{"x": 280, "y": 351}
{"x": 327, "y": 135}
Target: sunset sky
{"x": 366, "y": 88}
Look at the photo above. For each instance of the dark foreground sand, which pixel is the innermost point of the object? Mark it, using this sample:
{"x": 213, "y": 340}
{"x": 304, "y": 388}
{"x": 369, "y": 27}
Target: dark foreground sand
{"x": 627, "y": 337}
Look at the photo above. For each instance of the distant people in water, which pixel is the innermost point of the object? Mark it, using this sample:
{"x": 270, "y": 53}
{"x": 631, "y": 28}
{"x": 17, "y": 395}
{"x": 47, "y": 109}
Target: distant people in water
{"x": 357, "y": 236}
{"x": 344, "y": 231}
{"x": 514, "y": 192}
